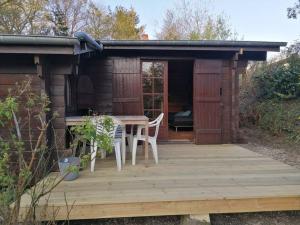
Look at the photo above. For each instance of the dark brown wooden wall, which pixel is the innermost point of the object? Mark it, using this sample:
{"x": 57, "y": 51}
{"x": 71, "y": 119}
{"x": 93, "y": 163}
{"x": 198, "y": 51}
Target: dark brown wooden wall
{"x": 54, "y": 69}
{"x": 15, "y": 69}
{"x": 127, "y": 89}
{"x": 100, "y": 73}
{"x": 226, "y": 102}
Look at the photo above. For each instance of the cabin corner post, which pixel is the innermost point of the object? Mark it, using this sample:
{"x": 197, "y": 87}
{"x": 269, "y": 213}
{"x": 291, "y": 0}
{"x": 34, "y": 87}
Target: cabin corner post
{"x": 234, "y": 99}
{"x": 238, "y": 66}
{"x": 241, "y": 69}
{"x": 59, "y": 68}
{"x": 41, "y": 64}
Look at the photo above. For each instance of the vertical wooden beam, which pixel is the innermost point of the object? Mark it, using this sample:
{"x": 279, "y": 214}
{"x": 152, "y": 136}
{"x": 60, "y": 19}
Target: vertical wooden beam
{"x": 234, "y": 105}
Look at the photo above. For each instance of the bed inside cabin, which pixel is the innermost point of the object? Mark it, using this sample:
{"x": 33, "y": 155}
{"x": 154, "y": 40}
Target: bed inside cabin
{"x": 180, "y": 99}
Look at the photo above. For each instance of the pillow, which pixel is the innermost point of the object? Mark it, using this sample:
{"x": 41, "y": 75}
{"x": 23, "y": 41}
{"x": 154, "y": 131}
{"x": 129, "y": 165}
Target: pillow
{"x": 179, "y": 114}
{"x": 184, "y": 113}
{"x": 187, "y": 113}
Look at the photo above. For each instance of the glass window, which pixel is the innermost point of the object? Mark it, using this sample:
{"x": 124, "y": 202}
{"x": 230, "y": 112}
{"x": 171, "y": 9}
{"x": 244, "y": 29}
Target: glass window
{"x": 153, "y": 88}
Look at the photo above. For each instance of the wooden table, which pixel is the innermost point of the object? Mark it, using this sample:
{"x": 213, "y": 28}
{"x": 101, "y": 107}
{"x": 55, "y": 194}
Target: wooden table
{"x": 124, "y": 120}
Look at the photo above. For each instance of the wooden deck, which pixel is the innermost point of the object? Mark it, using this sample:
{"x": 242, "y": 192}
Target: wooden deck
{"x": 189, "y": 179}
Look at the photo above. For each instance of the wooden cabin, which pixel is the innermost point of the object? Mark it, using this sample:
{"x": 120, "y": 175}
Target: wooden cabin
{"x": 195, "y": 83}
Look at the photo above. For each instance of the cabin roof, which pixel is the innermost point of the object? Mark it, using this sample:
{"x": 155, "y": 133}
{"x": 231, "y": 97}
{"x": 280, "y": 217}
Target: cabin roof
{"x": 215, "y": 43}
{"x": 35, "y": 44}
{"x": 37, "y": 40}
{"x": 192, "y": 45}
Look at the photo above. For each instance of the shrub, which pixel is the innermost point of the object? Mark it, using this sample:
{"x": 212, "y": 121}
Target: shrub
{"x": 21, "y": 112}
{"x": 270, "y": 98}
{"x": 278, "y": 80}
{"x": 279, "y": 118}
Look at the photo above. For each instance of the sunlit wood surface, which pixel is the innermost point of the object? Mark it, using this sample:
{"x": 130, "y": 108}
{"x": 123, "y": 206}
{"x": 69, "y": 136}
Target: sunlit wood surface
{"x": 189, "y": 179}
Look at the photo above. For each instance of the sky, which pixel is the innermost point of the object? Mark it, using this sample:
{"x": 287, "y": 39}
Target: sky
{"x": 253, "y": 20}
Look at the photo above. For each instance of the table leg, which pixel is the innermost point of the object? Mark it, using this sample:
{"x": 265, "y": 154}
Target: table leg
{"x": 123, "y": 144}
{"x": 146, "y": 142}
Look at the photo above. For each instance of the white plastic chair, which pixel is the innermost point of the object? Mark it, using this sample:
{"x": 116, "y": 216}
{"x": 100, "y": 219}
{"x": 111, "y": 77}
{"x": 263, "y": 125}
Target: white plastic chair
{"x": 116, "y": 134}
{"x": 129, "y": 137}
{"x": 152, "y": 139}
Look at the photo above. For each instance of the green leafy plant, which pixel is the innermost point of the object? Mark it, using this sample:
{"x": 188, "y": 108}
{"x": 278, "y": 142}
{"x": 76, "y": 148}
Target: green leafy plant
{"x": 23, "y": 143}
{"x": 87, "y": 132}
{"x": 279, "y": 80}
{"x": 280, "y": 118}
{"x": 72, "y": 169}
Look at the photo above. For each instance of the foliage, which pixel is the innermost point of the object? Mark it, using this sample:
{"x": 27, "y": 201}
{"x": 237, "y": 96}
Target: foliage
{"x": 23, "y": 141}
{"x": 280, "y": 118}
{"x": 87, "y": 132}
{"x": 119, "y": 24}
{"x": 99, "y": 22}
{"x": 125, "y": 24}
{"x": 270, "y": 96}
{"x": 191, "y": 20}
{"x": 21, "y": 16}
{"x": 65, "y": 17}
{"x": 292, "y": 12}
{"x": 279, "y": 80}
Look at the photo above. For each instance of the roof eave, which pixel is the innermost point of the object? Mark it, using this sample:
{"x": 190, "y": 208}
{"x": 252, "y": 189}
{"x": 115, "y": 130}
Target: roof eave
{"x": 194, "y": 48}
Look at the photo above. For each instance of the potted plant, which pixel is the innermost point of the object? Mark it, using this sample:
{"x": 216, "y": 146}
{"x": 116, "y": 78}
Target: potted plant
{"x": 69, "y": 168}
{"x": 83, "y": 134}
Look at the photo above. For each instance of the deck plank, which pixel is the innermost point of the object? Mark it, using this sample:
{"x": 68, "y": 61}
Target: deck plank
{"x": 189, "y": 179}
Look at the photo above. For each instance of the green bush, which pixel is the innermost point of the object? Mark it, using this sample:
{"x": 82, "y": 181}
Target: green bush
{"x": 278, "y": 80}
{"x": 280, "y": 118}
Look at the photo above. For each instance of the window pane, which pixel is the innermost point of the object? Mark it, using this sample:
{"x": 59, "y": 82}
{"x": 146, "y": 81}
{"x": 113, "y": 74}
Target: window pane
{"x": 149, "y": 114}
{"x": 153, "y": 88}
{"x": 147, "y": 85}
{"x": 146, "y": 69}
{"x": 158, "y": 69}
{"x": 158, "y": 85}
{"x": 148, "y": 102}
{"x": 158, "y": 102}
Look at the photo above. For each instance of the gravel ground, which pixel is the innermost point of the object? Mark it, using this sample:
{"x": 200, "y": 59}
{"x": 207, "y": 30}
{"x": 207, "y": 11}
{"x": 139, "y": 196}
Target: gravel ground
{"x": 274, "y": 147}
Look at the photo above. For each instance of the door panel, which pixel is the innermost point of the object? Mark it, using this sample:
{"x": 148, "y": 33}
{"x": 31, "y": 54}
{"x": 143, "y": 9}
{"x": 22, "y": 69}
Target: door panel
{"x": 127, "y": 87}
{"x": 155, "y": 89}
{"x": 207, "y": 101}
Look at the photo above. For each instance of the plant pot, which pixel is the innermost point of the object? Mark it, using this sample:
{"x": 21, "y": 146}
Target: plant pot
{"x": 67, "y": 168}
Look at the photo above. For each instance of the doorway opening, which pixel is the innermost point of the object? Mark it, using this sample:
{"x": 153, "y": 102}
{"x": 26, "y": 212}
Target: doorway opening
{"x": 180, "y": 100}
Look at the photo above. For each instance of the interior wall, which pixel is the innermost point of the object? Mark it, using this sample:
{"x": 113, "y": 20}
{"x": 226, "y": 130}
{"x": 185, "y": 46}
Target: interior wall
{"x": 180, "y": 97}
{"x": 180, "y": 82}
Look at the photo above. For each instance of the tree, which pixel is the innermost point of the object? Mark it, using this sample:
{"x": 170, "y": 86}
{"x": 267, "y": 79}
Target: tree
{"x": 170, "y": 29}
{"x": 99, "y": 22}
{"x": 125, "y": 24}
{"x": 21, "y": 16}
{"x": 292, "y": 12}
{"x": 65, "y": 17}
{"x": 119, "y": 24}
{"x": 192, "y": 21}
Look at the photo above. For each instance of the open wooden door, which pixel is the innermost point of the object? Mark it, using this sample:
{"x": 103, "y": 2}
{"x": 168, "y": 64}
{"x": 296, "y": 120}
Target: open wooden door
{"x": 127, "y": 87}
{"x": 207, "y": 101}
{"x": 155, "y": 92}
